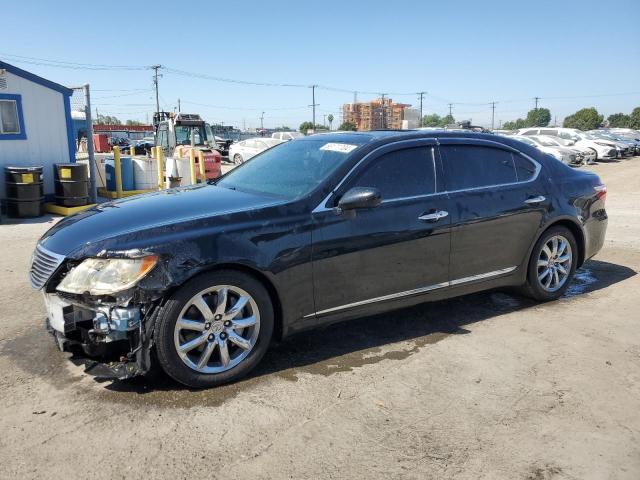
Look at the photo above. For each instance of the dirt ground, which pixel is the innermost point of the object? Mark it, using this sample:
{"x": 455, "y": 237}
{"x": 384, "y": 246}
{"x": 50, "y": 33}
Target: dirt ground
{"x": 489, "y": 386}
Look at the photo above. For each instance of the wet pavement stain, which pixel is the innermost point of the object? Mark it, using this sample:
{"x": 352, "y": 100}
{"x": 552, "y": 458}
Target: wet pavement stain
{"x": 338, "y": 348}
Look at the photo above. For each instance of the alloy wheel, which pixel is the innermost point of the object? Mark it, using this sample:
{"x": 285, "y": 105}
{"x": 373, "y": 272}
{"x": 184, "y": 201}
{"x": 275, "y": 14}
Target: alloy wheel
{"x": 217, "y": 329}
{"x": 554, "y": 263}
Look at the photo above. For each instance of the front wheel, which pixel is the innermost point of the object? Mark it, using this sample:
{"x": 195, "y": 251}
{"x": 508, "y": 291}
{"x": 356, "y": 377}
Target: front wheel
{"x": 215, "y": 329}
{"x": 237, "y": 159}
{"x": 552, "y": 264}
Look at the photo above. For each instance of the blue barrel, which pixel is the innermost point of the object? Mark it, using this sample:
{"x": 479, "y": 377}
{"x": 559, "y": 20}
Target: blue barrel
{"x": 126, "y": 167}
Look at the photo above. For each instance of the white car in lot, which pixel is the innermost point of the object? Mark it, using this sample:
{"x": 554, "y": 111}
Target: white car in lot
{"x": 588, "y": 155}
{"x": 286, "y": 136}
{"x": 603, "y": 149}
{"x": 563, "y": 154}
{"x": 242, "y": 151}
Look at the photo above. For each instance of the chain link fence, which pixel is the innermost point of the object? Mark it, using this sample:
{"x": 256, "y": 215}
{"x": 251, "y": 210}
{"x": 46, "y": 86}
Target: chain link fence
{"x": 83, "y": 133}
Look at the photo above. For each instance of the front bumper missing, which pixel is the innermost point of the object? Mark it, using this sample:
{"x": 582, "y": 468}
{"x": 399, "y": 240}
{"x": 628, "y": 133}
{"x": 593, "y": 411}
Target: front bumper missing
{"x": 113, "y": 342}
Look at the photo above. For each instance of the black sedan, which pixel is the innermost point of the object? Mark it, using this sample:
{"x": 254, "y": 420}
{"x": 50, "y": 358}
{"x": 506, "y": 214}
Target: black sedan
{"x": 317, "y": 230}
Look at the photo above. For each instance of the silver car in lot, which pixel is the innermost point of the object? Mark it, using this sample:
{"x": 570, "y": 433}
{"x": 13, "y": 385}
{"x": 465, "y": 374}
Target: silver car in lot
{"x": 563, "y": 154}
{"x": 604, "y": 149}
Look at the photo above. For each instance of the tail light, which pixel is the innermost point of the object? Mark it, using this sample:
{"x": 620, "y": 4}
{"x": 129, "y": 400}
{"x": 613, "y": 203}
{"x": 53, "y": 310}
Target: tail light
{"x": 601, "y": 192}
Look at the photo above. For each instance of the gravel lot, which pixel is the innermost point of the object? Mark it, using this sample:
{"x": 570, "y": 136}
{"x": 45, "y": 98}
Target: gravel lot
{"x": 488, "y": 386}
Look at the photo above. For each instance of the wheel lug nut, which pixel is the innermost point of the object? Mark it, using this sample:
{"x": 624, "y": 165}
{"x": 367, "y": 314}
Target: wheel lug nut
{"x": 218, "y": 317}
{"x": 223, "y": 335}
{"x": 211, "y": 337}
{"x": 207, "y": 326}
{"x": 227, "y": 323}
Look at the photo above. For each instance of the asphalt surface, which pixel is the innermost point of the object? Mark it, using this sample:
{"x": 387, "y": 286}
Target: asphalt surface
{"x": 490, "y": 386}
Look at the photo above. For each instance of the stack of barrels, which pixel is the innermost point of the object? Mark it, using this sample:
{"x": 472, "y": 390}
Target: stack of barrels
{"x": 71, "y": 184}
{"x": 25, "y": 191}
{"x": 24, "y": 188}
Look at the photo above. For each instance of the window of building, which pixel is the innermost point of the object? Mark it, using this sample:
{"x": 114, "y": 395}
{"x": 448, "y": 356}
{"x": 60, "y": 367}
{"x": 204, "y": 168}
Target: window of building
{"x": 474, "y": 166}
{"x": 403, "y": 173}
{"x": 11, "y": 122}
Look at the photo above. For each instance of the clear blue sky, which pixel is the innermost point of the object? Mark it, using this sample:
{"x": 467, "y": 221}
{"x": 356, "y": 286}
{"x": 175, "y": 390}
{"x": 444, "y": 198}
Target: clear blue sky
{"x": 466, "y": 52}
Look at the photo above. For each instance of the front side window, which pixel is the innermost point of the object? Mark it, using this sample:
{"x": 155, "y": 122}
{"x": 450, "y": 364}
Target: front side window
{"x": 474, "y": 166}
{"x": 402, "y": 173}
{"x": 9, "y": 123}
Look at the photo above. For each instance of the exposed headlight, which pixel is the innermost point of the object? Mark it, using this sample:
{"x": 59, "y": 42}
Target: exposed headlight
{"x": 105, "y": 276}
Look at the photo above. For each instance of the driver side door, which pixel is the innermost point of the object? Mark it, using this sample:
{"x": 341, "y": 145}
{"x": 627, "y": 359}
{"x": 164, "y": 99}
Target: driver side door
{"x": 364, "y": 259}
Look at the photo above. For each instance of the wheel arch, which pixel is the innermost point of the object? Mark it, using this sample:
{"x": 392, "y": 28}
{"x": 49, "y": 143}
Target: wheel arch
{"x": 278, "y": 329}
{"x": 573, "y": 226}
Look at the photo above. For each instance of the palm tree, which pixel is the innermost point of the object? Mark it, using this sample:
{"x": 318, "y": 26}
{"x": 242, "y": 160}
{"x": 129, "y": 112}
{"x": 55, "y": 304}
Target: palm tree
{"x": 330, "y": 118}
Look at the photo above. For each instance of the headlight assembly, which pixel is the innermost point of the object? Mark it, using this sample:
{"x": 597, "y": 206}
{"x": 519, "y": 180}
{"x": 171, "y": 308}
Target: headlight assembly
{"x": 105, "y": 276}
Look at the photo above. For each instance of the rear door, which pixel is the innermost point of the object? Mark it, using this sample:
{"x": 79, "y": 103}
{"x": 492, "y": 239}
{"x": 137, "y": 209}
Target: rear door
{"x": 497, "y": 203}
{"x": 372, "y": 256}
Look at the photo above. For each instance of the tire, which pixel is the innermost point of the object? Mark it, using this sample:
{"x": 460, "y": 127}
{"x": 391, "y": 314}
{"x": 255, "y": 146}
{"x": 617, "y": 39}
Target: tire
{"x": 536, "y": 287}
{"x": 595, "y": 152}
{"x": 221, "y": 328}
{"x": 237, "y": 159}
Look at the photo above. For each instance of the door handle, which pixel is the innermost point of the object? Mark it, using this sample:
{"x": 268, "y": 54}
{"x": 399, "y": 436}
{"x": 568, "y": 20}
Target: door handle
{"x": 535, "y": 200}
{"x": 433, "y": 217}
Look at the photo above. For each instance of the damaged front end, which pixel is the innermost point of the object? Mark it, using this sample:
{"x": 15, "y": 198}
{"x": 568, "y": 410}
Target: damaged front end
{"x": 104, "y": 308}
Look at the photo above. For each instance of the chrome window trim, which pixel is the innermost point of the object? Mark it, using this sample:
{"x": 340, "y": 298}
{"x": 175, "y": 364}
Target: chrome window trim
{"x": 416, "y": 291}
{"x": 322, "y": 206}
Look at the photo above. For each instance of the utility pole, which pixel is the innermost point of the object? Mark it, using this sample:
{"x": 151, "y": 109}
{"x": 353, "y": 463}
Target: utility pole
{"x": 262, "y": 122}
{"x": 324, "y": 120}
{"x": 493, "y": 113}
{"x": 421, "y": 97}
{"x": 178, "y": 105}
{"x": 450, "y": 107}
{"x": 155, "y": 83}
{"x": 382, "y": 119}
{"x": 536, "y": 100}
{"x": 313, "y": 104}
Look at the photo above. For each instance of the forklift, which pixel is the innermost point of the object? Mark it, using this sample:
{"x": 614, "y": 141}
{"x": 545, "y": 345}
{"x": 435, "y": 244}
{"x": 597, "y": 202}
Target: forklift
{"x": 178, "y": 133}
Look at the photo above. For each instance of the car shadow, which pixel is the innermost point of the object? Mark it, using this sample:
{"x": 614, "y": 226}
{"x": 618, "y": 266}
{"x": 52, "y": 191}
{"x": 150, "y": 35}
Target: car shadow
{"x": 351, "y": 344}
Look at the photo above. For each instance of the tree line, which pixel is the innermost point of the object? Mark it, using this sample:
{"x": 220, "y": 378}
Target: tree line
{"x": 583, "y": 119}
{"x": 109, "y": 120}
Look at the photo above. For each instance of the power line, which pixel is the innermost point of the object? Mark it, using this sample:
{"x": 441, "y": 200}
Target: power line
{"x": 94, "y": 66}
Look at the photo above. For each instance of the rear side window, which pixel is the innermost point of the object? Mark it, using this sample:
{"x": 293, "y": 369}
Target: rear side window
{"x": 473, "y": 166}
{"x": 553, "y": 133}
{"x": 402, "y": 173}
{"x": 525, "y": 169}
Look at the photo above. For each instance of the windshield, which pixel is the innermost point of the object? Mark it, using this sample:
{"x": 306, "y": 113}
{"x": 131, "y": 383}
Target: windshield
{"x": 183, "y": 134}
{"x": 290, "y": 169}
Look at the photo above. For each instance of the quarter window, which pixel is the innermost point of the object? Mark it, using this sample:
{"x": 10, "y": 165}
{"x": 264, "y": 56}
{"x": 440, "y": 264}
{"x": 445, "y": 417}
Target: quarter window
{"x": 9, "y": 123}
{"x": 473, "y": 166}
{"x": 525, "y": 170}
{"x": 402, "y": 173}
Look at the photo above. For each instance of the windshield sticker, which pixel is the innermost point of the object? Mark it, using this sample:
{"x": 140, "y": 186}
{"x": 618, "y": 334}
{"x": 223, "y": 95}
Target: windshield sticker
{"x": 338, "y": 147}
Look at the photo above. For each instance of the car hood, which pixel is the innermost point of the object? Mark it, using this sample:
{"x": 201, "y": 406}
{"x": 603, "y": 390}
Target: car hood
{"x": 146, "y": 212}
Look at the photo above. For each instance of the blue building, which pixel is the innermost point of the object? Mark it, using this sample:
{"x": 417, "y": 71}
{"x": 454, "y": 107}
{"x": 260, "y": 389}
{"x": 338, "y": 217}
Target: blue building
{"x": 35, "y": 123}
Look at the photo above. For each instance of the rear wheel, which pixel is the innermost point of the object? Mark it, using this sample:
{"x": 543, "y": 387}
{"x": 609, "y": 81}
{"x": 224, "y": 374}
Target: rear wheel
{"x": 552, "y": 264}
{"x": 237, "y": 159}
{"x": 215, "y": 329}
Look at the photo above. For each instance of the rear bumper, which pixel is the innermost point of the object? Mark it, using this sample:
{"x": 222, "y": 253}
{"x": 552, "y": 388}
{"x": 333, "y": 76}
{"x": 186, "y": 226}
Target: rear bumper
{"x": 595, "y": 229}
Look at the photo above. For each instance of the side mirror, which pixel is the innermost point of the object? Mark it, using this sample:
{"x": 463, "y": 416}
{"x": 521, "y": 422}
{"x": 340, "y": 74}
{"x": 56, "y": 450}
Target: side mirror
{"x": 360, "y": 197}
